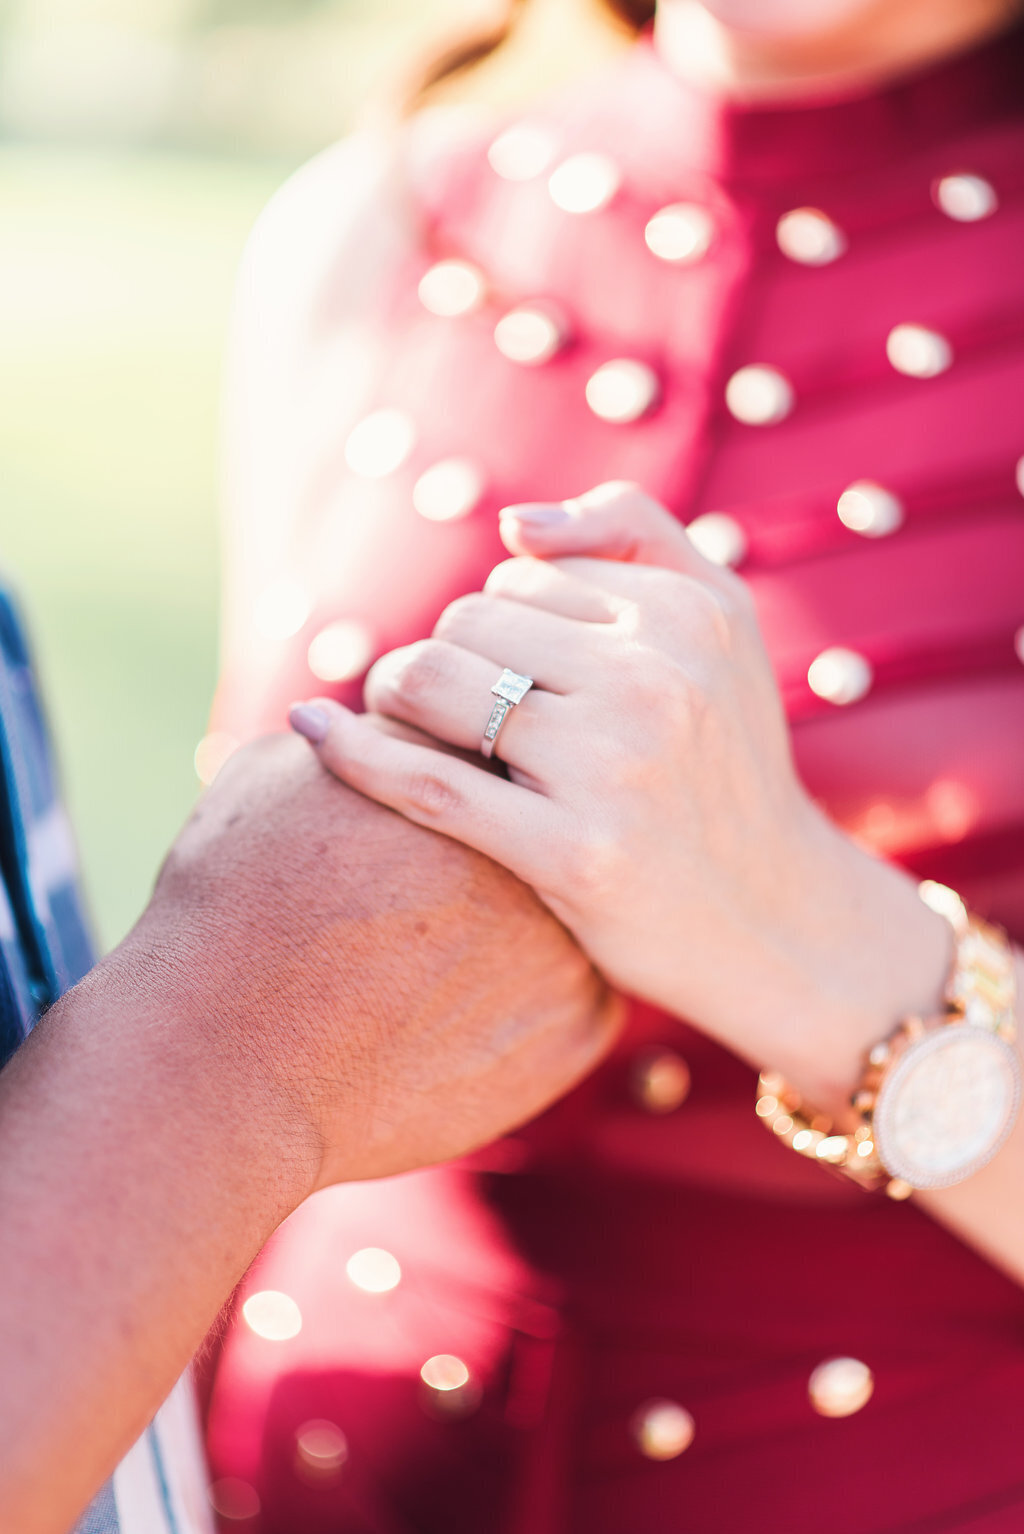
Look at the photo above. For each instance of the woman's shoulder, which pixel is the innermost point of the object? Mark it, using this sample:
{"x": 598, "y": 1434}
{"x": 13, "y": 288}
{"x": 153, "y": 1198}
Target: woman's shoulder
{"x": 339, "y": 223}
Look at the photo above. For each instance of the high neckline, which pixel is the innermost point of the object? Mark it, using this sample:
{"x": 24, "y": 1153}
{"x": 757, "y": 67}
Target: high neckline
{"x": 830, "y": 132}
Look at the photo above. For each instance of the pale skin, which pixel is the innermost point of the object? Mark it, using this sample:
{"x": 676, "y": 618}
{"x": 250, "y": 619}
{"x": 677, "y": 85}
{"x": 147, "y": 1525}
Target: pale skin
{"x": 653, "y": 804}
{"x": 783, "y": 48}
{"x": 253, "y": 1039}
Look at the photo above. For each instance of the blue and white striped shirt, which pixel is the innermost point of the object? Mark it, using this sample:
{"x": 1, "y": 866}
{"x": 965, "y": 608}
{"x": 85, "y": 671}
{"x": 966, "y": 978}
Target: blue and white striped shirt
{"x": 44, "y": 949}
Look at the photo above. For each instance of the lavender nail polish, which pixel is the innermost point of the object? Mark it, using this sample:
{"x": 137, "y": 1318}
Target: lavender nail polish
{"x": 308, "y": 720}
{"x": 536, "y": 516}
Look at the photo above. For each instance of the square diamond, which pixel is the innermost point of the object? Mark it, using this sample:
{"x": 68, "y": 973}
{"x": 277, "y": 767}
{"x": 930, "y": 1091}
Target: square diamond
{"x": 511, "y": 686}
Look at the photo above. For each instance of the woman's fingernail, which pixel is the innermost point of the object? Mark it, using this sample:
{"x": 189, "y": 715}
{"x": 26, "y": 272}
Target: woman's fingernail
{"x": 309, "y": 720}
{"x": 536, "y": 515}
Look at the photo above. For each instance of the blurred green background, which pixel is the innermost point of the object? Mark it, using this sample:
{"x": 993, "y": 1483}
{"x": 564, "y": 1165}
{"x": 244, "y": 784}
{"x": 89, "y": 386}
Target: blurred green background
{"x": 138, "y": 141}
{"x": 115, "y": 273}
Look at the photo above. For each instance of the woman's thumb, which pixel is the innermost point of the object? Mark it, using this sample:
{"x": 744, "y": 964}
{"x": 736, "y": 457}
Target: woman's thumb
{"x": 613, "y": 521}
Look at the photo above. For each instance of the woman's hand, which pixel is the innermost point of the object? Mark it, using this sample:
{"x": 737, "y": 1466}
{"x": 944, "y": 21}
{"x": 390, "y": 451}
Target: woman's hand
{"x": 652, "y": 799}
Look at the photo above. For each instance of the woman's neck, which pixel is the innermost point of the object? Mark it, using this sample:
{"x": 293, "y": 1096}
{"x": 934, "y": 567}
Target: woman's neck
{"x": 867, "y": 44}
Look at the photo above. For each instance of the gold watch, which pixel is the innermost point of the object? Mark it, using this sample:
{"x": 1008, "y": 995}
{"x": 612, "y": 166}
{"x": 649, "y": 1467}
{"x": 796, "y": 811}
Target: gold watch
{"x": 939, "y": 1096}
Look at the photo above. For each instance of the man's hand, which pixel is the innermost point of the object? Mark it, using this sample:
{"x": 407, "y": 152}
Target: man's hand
{"x": 318, "y": 990}
{"x": 651, "y": 780}
{"x": 399, "y": 995}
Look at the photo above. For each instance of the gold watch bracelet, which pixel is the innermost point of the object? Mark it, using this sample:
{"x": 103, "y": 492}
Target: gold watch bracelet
{"x": 981, "y": 990}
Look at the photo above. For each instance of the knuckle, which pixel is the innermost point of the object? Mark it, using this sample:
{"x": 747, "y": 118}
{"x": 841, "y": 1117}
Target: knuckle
{"x": 510, "y": 575}
{"x": 685, "y": 705}
{"x": 630, "y": 620}
{"x": 709, "y": 615}
{"x": 460, "y": 617}
{"x": 665, "y": 699}
{"x": 418, "y": 673}
{"x": 657, "y": 603}
{"x": 641, "y": 679}
{"x": 591, "y": 868}
{"x": 432, "y": 795}
{"x": 651, "y": 510}
{"x": 624, "y": 497}
{"x": 735, "y": 595}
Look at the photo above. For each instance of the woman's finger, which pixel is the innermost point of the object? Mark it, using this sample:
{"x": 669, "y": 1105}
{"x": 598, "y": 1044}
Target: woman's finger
{"x": 507, "y": 823}
{"x": 445, "y": 692}
{"x": 558, "y": 653}
{"x": 539, "y": 583}
{"x": 398, "y": 729}
{"x": 651, "y": 589}
{"x": 614, "y": 521}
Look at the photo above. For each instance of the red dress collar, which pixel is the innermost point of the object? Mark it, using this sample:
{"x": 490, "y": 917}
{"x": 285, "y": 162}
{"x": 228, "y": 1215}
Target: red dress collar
{"x": 672, "y": 123}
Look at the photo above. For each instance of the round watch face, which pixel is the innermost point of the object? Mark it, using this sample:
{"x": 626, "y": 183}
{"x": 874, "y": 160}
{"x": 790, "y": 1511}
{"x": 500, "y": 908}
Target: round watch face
{"x": 947, "y": 1106}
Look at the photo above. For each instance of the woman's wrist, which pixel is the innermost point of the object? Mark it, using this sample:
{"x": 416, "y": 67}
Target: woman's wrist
{"x": 864, "y": 951}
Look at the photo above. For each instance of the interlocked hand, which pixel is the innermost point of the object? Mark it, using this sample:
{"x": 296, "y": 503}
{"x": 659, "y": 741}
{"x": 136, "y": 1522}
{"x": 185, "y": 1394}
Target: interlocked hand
{"x": 651, "y": 797}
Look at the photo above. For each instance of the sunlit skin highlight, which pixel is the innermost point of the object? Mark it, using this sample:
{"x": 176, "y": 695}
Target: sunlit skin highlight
{"x": 785, "y": 48}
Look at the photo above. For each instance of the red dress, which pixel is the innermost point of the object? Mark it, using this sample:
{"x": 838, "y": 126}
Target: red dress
{"x": 830, "y": 314}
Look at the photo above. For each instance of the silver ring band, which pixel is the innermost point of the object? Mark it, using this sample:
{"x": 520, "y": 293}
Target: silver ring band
{"x": 509, "y": 690}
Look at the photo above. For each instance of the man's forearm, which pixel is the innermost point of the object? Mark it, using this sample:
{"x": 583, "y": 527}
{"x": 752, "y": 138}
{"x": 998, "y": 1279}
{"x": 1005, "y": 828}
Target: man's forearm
{"x": 317, "y": 991}
{"x": 141, "y": 1169}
